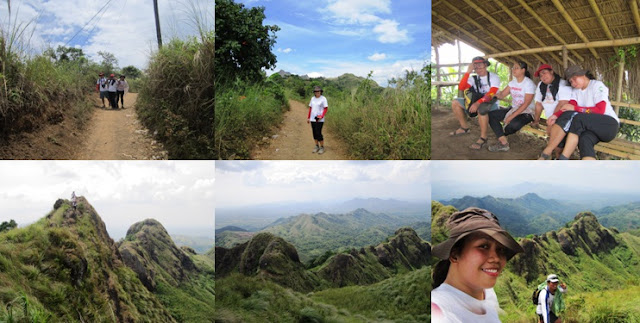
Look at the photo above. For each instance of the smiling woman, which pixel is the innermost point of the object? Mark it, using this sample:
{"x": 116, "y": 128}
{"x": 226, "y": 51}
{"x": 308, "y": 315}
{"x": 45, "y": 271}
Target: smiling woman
{"x": 473, "y": 257}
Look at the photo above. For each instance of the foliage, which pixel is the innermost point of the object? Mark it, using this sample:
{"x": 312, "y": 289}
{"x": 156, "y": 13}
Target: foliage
{"x": 131, "y": 72}
{"x": 177, "y": 95}
{"x": 109, "y": 62}
{"x": 243, "y": 44}
{"x": 6, "y": 226}
{"x": 66, "y": 54}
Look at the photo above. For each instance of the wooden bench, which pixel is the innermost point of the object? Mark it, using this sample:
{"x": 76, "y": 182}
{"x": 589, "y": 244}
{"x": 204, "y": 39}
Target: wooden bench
{"x": 618, "y": 147}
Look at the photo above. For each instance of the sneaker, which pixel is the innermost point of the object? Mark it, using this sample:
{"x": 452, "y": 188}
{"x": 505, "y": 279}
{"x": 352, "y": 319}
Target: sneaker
{"x": 315, "y": 150}
{"x": 321, "y": 151}
{"x": 499, "y": 147}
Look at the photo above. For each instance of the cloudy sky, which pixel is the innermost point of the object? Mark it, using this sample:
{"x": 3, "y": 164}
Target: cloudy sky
{"x": 571, "y": 180}
{"x": 125, "y": 28}
{"x": 243, "y": 183}
{"x": 179, "y": 194}
{"x": 332, "y": 37}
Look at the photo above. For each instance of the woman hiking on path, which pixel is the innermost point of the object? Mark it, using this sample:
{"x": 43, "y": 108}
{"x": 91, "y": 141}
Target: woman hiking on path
{"x": 474, "y": 255}
{"x": 317, "y": 109}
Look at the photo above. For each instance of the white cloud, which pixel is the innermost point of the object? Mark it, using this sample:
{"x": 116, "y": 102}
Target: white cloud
{"x": 377, "y": 57}
{"x": 389, "y": 33}
{"x": 314, "y": 74}
{"x": 358, "y": 11}
{"x": 286, "y": 50}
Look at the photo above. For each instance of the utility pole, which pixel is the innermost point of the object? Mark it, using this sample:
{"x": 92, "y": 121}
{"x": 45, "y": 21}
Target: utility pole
{"x": 155, "y": 9}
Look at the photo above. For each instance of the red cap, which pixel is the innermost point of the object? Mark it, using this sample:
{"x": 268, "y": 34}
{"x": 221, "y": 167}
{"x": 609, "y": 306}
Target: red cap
{"x": 112, "y": 75}
{"x": 542, "y": 67}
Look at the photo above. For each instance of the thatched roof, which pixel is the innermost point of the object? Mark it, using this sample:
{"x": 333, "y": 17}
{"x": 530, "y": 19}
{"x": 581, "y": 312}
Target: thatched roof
{"x": 503, "y": 26}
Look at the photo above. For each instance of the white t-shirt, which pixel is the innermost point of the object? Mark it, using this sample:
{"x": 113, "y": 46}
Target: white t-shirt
{"x": 484, "y": 84}
{"x": 518, "y": 91}
{"x": 100, "y": 82}
{"x": 122, "y": 85}
{"x": 549, "y": 105}
{"x": 458, "y": 306}
{"x": 112, "y": 85}
{"x": 317, "y": 107}
{"x": 595, "y": 92}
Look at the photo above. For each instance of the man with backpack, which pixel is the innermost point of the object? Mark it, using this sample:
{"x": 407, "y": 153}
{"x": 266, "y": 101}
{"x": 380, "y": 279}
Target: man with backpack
{"x": 478, "y": 99}
{"x": 101, "y": 86}
{"x": 550, "y": 302}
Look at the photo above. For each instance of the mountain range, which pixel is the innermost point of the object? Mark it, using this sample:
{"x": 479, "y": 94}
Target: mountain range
{"x": 66, "y": 267}
{"x": 598, "y": 264}
{"x": 268, "y": 270}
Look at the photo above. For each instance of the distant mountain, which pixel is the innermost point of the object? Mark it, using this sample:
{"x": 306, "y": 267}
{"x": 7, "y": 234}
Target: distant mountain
{"x": 313, "y": 234}
{"x": 199, "y": 244}
{"x": 623, "y": 217}
{"x": 527, "y": 214}
{"x": 589, "y": 257}
{"x": 229, "y": 239}
{"x": 230, "y": 228}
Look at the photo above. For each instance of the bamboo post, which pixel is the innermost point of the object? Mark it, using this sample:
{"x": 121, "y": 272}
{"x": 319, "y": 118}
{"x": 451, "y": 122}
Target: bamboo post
{"x": 620, "y": 78}
{"x": 565, "y": 58}
{"x": 439, "y": 93}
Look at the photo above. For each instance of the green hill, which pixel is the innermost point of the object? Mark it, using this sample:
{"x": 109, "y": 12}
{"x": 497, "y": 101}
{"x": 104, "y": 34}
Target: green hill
{"x": 314, "y": 234}
{"x": 623, "y": 217}
{"x": 594, "y": 261}
{"x": 263, "y": 278}
{"x": 65, "y": 267}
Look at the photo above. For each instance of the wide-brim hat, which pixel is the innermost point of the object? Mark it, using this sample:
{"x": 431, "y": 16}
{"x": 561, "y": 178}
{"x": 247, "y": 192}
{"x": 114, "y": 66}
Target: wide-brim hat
{"x": 101, "y": 74}
{"x": 471, "y": 220}
{"x": 480, "y": 59}
{"x": 542, "y": 67}
{"x": 574, "y": 70}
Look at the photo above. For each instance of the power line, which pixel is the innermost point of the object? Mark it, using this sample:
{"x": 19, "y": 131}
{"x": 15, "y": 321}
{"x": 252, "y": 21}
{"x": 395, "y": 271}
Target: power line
{"x": 81, "y": 29}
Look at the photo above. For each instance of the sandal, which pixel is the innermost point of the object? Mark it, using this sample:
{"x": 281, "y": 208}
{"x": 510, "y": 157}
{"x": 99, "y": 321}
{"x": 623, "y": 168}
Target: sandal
{"x": 544, "y": 156}
{"x": 456, "y": 133}
{"x": 478, "y": 145}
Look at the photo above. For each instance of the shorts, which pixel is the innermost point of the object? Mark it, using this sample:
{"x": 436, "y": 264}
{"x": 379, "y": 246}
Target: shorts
{"x": 104, "y": 94}
{"x": 461, "y": 101}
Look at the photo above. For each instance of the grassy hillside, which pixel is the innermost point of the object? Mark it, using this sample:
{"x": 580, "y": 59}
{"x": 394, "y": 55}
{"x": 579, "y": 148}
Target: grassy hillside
{"x": 314, "y": 234}
{"x": 65, "y": 267}
{"x": 623, "y": 217}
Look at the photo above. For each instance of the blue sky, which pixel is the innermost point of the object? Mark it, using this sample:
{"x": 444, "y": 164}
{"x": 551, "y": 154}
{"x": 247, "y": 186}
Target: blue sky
{"x": 332, "y": 37}
{"x": 125, "y": 28}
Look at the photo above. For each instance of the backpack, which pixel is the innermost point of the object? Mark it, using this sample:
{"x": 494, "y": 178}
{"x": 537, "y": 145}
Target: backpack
{"x": 534, "y": 297}
{"x": 555, "y": 86}
{"x": 473, "y": 94}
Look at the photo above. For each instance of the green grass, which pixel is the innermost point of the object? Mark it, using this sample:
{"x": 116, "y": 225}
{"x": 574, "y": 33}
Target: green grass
{"x": 176, "y": 97}
{"x": 243, "y": 115}
{"x": 395, "y": 124}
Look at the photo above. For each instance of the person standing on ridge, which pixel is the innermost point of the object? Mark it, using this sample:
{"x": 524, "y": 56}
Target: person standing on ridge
{"x": 317, "y": 110}
{"x": 74, "y": 200}
{"x": 549, "y": 300}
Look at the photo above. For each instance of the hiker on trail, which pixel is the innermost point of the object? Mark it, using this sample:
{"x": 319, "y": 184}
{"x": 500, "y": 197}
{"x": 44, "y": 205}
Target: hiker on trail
{"x": 550, "y": 301}
{"x": 478, "y": 99}
{"x": 122, "y": 88}
{"x": 586, "y": 120}
{"x": 551, "y": 93}
{"x": 111, "y": 84}
{"x": 473, "y": 257}
{"x": 73, "y": 200}
{"x": 522, "y": 108}
{"x": 317, "y": 110}
{"x": 101, "y": 87}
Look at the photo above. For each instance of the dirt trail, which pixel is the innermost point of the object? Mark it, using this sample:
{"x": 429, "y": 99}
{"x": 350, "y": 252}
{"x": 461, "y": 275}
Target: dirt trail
{"x": 445, "y": 147}
{"x": 294, "y": 140}
{"x": 117, "y": 134}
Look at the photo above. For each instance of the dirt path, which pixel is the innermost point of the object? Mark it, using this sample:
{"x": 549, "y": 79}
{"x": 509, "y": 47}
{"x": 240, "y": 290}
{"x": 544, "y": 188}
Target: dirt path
{"x": 444, "y": 147}
{"x": 293, "y": 139}
{"x": 117, "y": 134}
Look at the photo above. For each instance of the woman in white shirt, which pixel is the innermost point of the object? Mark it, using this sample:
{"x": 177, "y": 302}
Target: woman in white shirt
{"x": 317, "y": 110}
{"x": 474, "y": 256}
{"x": 522, "y": 108}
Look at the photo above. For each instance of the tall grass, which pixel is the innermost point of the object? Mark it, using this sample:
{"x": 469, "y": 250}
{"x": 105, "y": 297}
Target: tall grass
{"x": 176, "y": 97}
{"x": 243, "y": 115}
{"x": 395, "y": 124}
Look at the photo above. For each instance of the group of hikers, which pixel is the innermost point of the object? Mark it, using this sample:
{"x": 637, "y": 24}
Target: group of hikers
{"x": 577, "y": 108}
{"x": 472, "y": 259}
{"x": 111, "y": 89}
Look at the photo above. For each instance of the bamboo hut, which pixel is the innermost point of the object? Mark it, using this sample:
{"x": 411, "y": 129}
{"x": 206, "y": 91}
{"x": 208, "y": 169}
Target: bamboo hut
{"x": 602, "y": 36}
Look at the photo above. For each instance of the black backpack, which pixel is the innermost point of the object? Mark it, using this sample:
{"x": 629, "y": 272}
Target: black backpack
{"x": 534, "y": 297}
{"x": 473, "y": 93}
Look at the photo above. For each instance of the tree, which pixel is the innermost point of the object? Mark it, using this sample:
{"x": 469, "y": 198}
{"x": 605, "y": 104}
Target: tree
{"x": 6, "y": 226}
{"x": 109, "y": 62}
{"x": 243, "y": 44}
{"x": 131, "y": 72}
{"x": 66, "y": 54}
